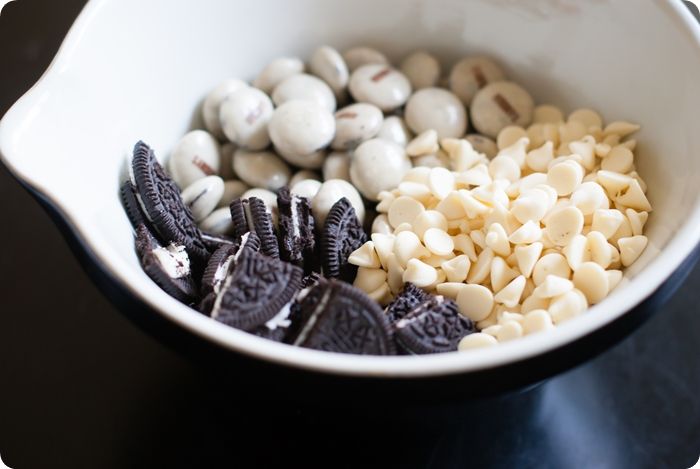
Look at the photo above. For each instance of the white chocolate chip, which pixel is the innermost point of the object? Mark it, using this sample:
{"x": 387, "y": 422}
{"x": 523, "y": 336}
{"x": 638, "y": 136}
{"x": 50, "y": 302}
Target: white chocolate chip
{"x": 464, "y": 244}
{"x": 527, "y": 257}
{"x": 620, "y": 160}
{"x": 509, "y": 330}
{"x": 532, "y": 303}
{"x": 457, "y": 268}
{"x": 394, "y": 274}
{"x": 510, "y": 294}
{"x": 546, "y": 113}
{"x": 407, "y": 246}
{"x": 423, "y": 144}
{"x": 497, "y": 239}
{"x": 552, "y": 286}
{"x": 633, "y": 197}
{"x": 563, "y": 224}
{"x": 599, "y": 248}
{"x": 438, "y": 241}
{"x": 428, "y": 219}
{"x": 509, "y": 135}
{"x": 404, "y": 210}
{"x": 592, "y": 280}
{"x": 369, "y": 279}
{"x": 475, "y": 341}
{"x": 607, "y": 222}
{"x": 614, "y": 277}
{"x": 480, "y": 270}
{"x": 441, "y": 182}
{"x": 419, "y": 273}
{"x": 631, "y": 248}
{"x": 566, "y": 306}
{"x": 475, "y": 302}
{"x": 564, "y": 177}
{"x": 482, "y": 144}
{"x": 501, "y": 274}
{"x": 636, "y": 220}
{"x": 577, "y": 251}
{"x": 621, "y": 129}
{"x": 504, "y": 167}
{"x": 587, "y": 117}
{"x": 537, "y": 320}
{"x": 365, "y": 256}
{"x": 527, "y": 233}
{"x": 550, "y": 264}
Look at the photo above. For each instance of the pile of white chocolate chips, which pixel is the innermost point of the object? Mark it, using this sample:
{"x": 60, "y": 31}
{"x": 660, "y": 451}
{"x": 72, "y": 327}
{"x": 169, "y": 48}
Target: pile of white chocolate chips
{"x": 524, "y": 223}
{"x": 523, "y": 241}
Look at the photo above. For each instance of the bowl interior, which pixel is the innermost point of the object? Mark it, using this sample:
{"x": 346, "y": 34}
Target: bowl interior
{"x": 135, "y": 70}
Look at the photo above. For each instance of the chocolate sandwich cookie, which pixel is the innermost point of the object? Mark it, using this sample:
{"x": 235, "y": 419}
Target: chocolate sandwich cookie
{"x": 250, "y": 215}
{"x": 132, "y": 207}
{"x": 214, "y": 242}
{"x": 408, "y": 298}
{"x": 255, "y": 290}
{"x": 168, "y": 266}
{"x": 434, "y": 326}
{"x": 296, "y": 228}
{"x": 336, "y": 317}
{"x": 160, "y": 200}
{"x": 222, "y": 260}
{"x": 342, "y": 234}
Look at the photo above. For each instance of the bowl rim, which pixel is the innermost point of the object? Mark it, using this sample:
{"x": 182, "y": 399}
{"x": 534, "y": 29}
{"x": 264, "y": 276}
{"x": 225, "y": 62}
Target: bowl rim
{"x": 678, "y": 248}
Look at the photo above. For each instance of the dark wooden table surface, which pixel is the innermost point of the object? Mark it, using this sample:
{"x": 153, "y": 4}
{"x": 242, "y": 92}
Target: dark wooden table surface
{"x": 81, "y": 387}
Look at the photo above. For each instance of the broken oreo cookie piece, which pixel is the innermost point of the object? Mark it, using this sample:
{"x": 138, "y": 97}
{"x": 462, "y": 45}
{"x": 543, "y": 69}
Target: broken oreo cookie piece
{"x": 160, "y": 200}
{"x": 433, "y": 326}
{"x": 222, "y": 259}
{"x": 296, "y": 228}
{"x": 336, "y": 317}
{"x": 168, "y": 267}
{"x": 255, "y": 290}
{"x": 342, "y": 234}
{"x": 251, "y": 215}
{"x": 408, "y": 298}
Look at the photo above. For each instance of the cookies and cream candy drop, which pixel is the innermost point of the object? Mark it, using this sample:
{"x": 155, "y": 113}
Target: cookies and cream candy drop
{"x": 261, "y": 169}
{"x": 276, "y": 71}
{"x": 303, "y": 175}
{"x": 307, "y": 188}
{"x": 356, "y": 123}
{"x": 203, "y": 195}
{"x": 394, "y": 128}
{"x": 306, "y": 87}
{"x": 337, "y": 166}
{"x": 300, "y": 130}
{"x": 327, "y": 64}
{"x": 381, "y": 85}
{"x": 329, "y": 193}
{"x": 218, "y": 222}
{"x": 421, "y": 69}
{"x": 195, "y": 156}
{"x": 233, "y": 189}
{"x": 212, "y": 105}
{"x": 471, "y": 74}
{"x": 438, "y": 109}
{"x": 359, "y": 56}
{"x": 499, "y": 105}
{"x": 378, "y": 165}
{"x": 244, "y": 117}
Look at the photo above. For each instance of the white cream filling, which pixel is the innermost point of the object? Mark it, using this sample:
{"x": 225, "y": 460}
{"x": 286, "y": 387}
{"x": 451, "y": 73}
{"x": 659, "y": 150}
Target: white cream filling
{"x": 220, "y": 273}
{"x": 295, "y": 217}
{"x": 314, "y": 317}
{"x": 248, "y": 215}
{"x": 174, "y": 260}
{"x": 244, "y": 240}
{"x": 136, "y": 192}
